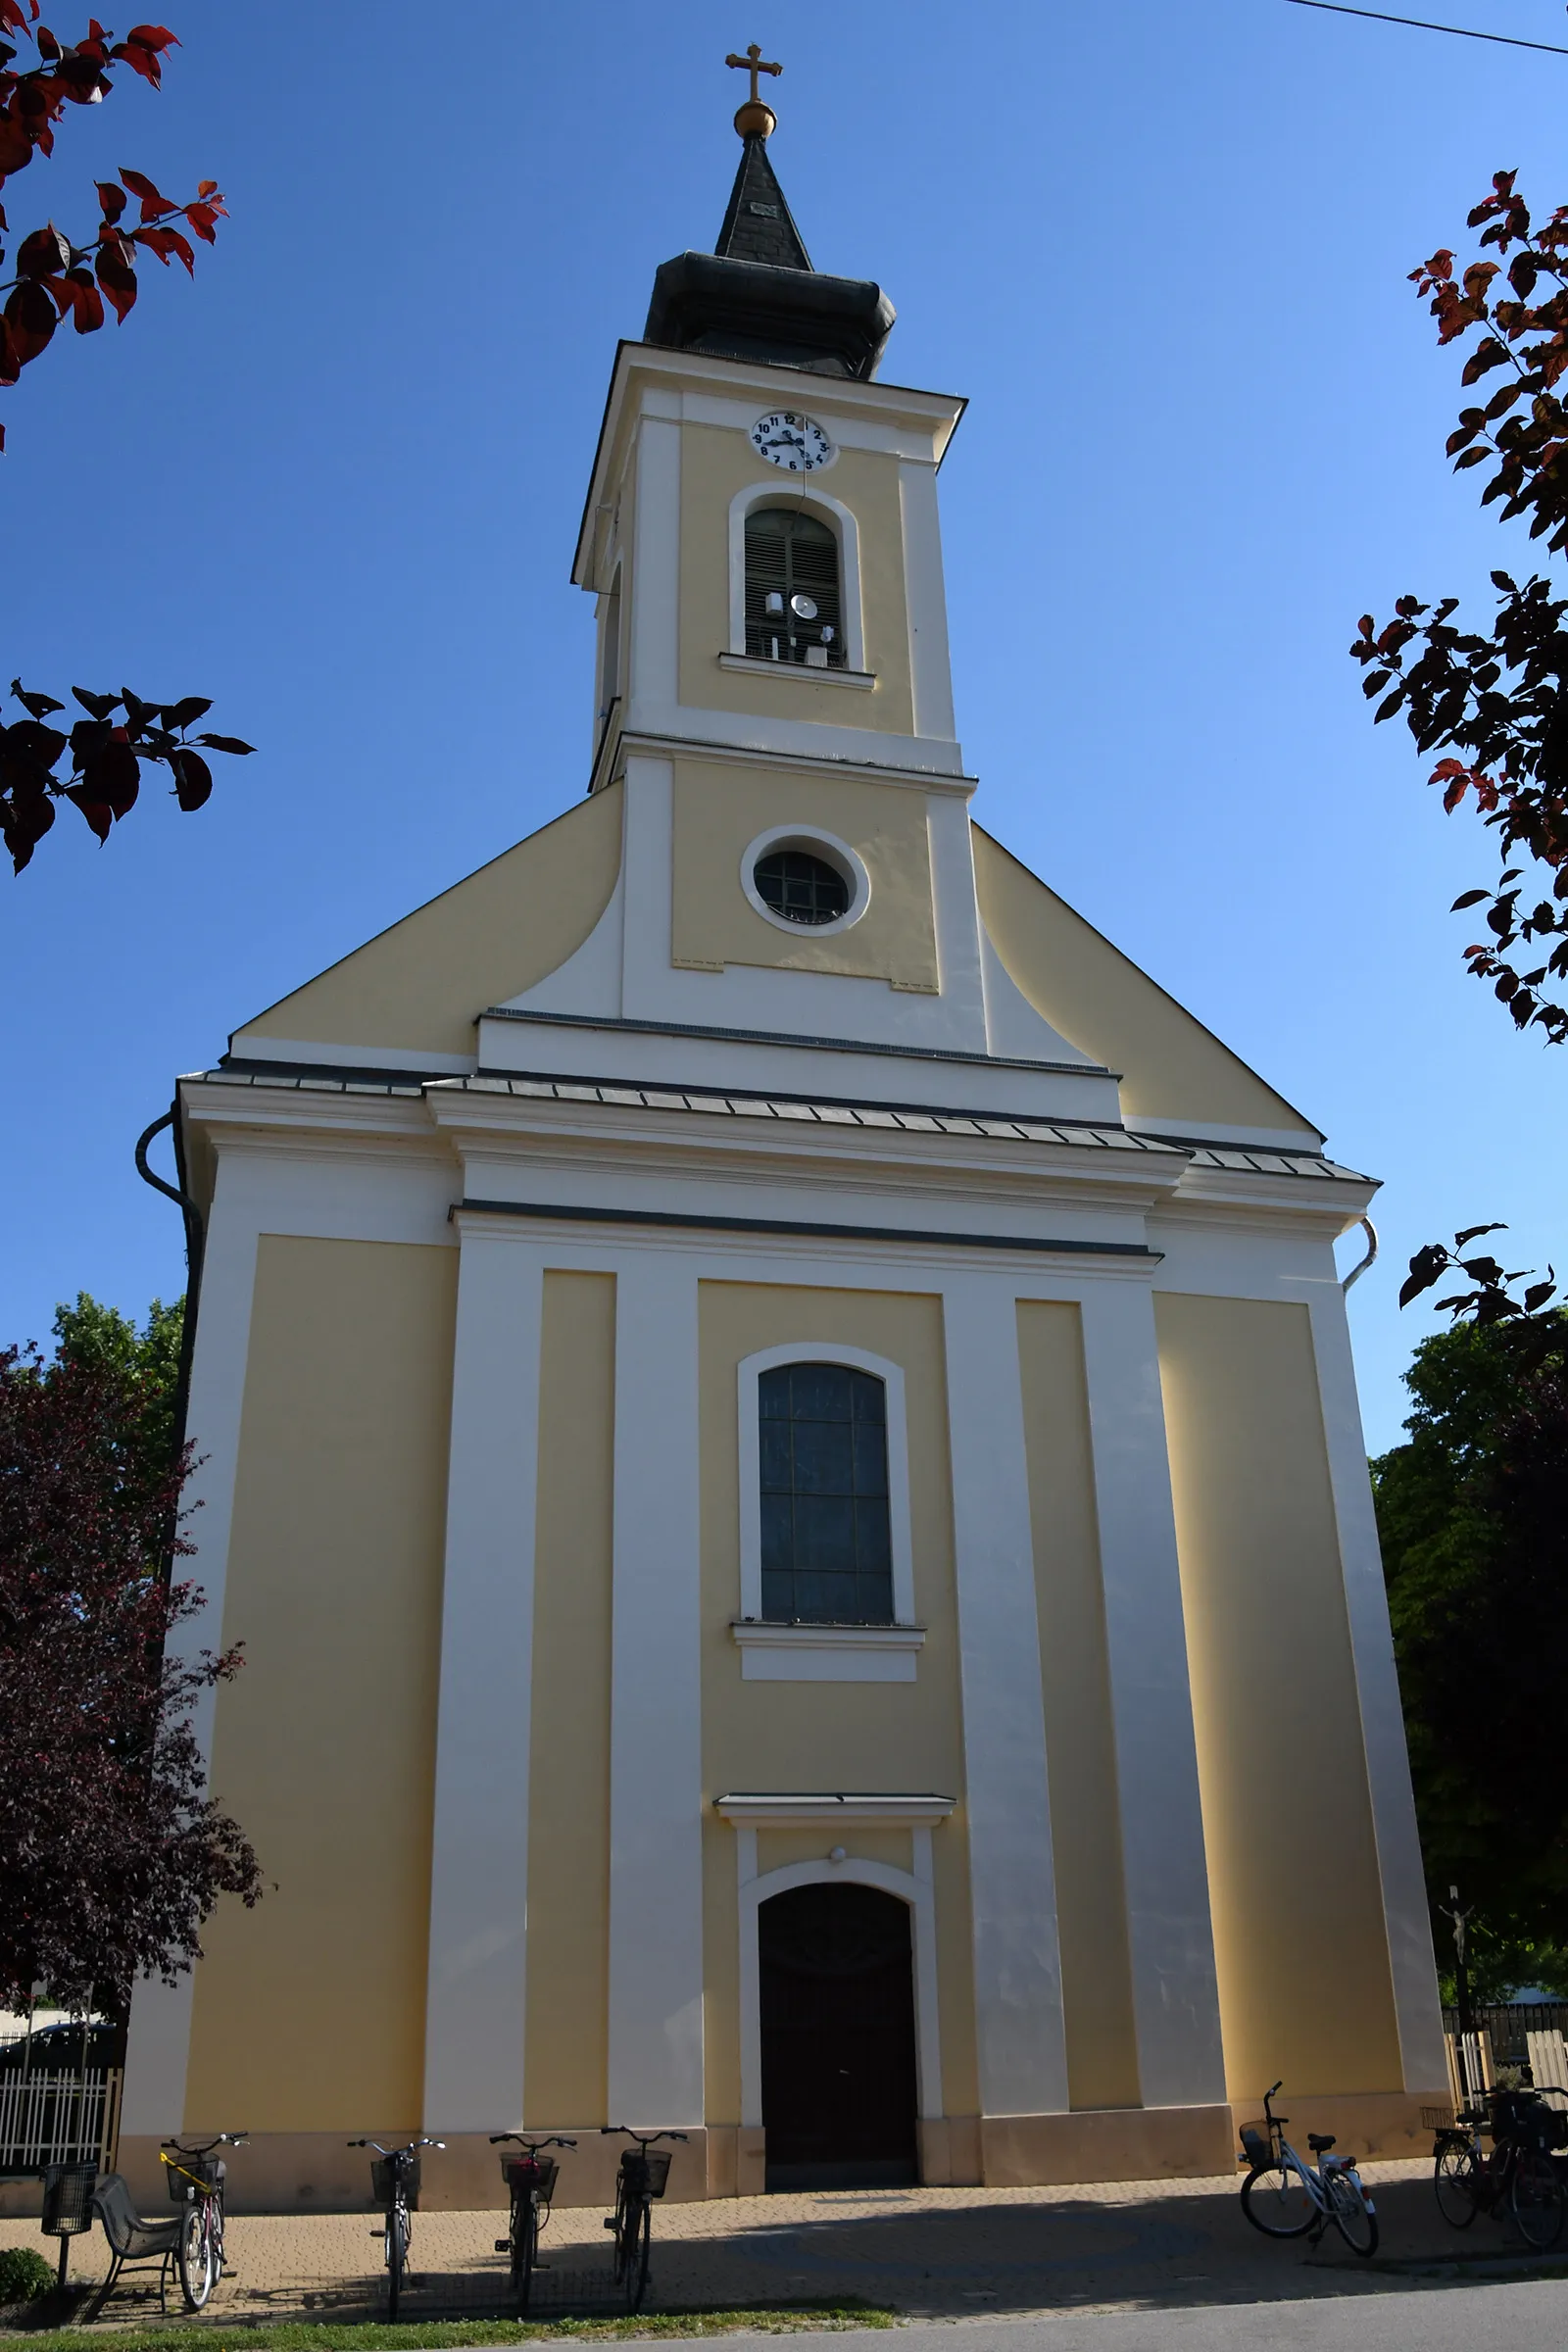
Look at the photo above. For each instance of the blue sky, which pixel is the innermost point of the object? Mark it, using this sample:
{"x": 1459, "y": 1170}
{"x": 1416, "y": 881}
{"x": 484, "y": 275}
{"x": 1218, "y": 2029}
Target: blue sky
{"x": 336, "y": 485}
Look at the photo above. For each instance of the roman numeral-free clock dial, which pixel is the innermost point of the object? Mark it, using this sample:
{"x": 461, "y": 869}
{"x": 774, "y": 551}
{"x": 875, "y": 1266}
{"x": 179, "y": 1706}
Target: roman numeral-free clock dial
{"x": 796, "y": 443}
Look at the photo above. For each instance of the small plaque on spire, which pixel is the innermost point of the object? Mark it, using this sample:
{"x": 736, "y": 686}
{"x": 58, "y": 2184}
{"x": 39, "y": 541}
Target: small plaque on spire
{"x": 753, "y": 119}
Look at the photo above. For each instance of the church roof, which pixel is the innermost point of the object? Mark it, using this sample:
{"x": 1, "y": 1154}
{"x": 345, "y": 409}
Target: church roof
{"x": 757, "y": 296}
{"x": 759, "y": 226}
{"x": 1095, "y": 1136}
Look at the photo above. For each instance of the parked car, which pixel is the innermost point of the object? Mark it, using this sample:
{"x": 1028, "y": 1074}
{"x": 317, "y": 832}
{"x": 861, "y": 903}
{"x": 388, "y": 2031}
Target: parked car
{"x": 57, "y": 2050}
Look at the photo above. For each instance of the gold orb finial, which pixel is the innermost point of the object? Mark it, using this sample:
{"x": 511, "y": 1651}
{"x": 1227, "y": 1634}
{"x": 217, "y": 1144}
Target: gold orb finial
{"x": 753, "y": 118}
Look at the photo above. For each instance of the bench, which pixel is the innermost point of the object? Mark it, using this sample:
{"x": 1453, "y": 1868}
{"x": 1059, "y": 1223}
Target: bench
{"x": 133, "y": 2239}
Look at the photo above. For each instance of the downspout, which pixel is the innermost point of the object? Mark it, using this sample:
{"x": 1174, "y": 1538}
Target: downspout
{"x": 1360, "y": 1267}
{"x": 195, "y": 1244}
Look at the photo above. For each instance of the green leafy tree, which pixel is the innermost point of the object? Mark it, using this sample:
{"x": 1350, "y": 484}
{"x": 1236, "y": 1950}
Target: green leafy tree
{"x": 1475, "y": 1549}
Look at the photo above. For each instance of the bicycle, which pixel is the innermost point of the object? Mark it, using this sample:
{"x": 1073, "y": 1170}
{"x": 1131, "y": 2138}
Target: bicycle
{"x": 392, "y": 2182}
{"x": 1519, "y": 2173}
{"x": 1286, "y": 2198}
{"x": 641, "y": 2176}
{"x": 531, "y": 2178}
{"x": 200, "y": 2253}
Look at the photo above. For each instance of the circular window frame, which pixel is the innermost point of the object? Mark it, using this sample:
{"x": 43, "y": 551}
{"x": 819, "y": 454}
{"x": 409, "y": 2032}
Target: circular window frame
{"x": 814, "y": 843}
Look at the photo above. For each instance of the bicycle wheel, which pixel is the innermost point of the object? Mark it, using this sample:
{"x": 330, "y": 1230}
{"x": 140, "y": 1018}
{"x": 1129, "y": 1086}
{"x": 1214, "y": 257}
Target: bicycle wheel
{"x": 1455, "y": 2183}
{"x": 396, "y": 2251}
{"x": 1275, "y": 2200}
{"x": 1353, "y": 2217}
{"x": 639, "y": 2232}
{"x": 1535, "y": 2198}
{"x": 524, "y": 2249}
{"x": 196, "y": 2280}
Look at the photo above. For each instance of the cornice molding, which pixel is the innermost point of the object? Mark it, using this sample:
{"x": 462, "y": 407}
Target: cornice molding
{"x": 752, "y": 1809}
{"x": 644, "y": 743}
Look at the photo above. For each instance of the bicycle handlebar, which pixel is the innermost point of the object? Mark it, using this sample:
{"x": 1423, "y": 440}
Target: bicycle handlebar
{"x": 553, "y": 2141}
{"x": 644, "y": 2139}
{"x": 224, "y": 2139}
{"x": 407, "y": 2149}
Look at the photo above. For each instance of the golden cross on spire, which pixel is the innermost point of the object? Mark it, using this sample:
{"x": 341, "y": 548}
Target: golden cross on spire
{"x": 754, "y": 118}
{"x": 753, "y": 63}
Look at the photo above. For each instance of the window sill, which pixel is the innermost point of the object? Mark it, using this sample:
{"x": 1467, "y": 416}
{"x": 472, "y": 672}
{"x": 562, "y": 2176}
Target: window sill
{"x": 861, "y": 679}
{"x": 826, "y": 1654}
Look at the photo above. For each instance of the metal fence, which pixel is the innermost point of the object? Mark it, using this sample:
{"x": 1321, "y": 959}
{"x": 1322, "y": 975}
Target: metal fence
{"x": 1508, "y": 2024}
{"x": 59, "y": 2118}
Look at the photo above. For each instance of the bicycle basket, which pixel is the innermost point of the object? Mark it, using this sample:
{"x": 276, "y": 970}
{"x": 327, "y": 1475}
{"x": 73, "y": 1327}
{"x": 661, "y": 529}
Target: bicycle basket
{"x": 1438, "y": 2119}
{"x": 203, "y": 2169}
{"x": 1255, "y": 2145}
{"x": 646, "y": 2171}
{"x": 524, "y": 2173}
{"x": 385, "y": 2174}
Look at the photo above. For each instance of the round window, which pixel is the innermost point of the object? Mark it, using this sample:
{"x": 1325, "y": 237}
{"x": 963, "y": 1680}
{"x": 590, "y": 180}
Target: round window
{"x": 800, "y": 887}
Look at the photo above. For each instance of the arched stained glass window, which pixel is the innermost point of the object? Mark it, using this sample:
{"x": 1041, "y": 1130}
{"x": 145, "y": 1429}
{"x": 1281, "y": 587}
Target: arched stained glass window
{"x": 827, "y": 1555}
{"x": 794, "y": 606}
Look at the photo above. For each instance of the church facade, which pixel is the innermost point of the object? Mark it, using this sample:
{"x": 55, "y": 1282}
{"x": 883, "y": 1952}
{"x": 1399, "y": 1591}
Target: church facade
{"x": 777, "y": 1424}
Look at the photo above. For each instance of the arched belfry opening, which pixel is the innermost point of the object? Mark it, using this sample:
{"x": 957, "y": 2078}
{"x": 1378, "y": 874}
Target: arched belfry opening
{"x": 837, "y": 1988}
{"x": 794, "y": 596}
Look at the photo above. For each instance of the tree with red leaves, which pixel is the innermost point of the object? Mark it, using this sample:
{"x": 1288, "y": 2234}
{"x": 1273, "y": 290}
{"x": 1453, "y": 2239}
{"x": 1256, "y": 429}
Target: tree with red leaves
{"x": 54, "y": 279}
{"x": 1496, "y": 700}
{"x": 112, "y": 1853}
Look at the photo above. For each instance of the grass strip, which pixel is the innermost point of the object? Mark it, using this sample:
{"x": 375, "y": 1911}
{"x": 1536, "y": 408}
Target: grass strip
{"x": 438, "y": 2335}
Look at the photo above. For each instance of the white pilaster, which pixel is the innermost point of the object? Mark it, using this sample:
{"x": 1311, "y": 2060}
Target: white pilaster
{"x": 656, "y": 555}
{"x": 930, "y": 663}
{"x": 646, "y": 866}
{"x": 1018, "y": 1962}
{"x": 479, "y": 1862}
{"x": 1175, "y": 1995}
{"x": 157, "y": 2050}
{"x": 1405, "y": 1898}
{"x": 656, "y": 1767}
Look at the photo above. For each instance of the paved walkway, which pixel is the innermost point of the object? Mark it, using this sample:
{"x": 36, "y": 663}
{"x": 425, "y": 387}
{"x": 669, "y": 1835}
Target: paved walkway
{"x": 938, "y": 2254}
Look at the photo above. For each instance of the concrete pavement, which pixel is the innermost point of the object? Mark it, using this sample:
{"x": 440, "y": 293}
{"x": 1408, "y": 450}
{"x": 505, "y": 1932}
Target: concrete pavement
{"x": 1118, "y": 2252}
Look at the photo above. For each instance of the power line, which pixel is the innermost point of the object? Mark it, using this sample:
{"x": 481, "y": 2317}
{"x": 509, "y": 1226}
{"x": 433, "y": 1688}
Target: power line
{"x": 1421, "y": 24}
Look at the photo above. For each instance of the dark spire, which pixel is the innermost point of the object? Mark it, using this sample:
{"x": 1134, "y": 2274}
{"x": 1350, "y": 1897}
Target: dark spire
{"x": 757, "y": 296}
{"x": 759, "y": 226}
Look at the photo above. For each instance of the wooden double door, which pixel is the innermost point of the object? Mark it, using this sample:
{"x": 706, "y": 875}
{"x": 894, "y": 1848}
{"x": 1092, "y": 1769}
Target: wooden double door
{"x": 838, "y": 2038}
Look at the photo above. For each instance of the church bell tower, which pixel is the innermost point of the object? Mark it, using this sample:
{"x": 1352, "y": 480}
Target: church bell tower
{"x": 773, "y": 687}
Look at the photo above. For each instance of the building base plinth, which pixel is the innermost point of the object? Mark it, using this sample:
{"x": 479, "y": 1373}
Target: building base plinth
{"x": 314, "y": 2172}
{"x": 1107, "y": 2143}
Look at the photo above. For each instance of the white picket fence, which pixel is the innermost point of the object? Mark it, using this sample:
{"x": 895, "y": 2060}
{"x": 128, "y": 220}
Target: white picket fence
{"x": 57, "y": 2118}
{"x": 1548, "y": 2063}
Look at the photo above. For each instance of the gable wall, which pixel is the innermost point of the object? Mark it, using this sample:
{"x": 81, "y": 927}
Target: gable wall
{"x": 1173, "y": 1068}
{"x": 419, "y": 985}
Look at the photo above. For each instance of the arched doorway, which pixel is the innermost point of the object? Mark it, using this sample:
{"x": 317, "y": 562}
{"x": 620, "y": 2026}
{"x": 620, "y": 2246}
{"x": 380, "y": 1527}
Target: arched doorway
{"x": 837, "y": 1996}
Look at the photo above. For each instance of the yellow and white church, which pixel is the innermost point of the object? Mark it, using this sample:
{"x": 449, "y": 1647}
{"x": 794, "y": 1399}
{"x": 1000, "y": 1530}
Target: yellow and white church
{"x": 777, "y": 1424}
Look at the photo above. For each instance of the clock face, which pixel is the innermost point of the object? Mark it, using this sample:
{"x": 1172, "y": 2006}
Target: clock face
{"x": 796, "y": 443}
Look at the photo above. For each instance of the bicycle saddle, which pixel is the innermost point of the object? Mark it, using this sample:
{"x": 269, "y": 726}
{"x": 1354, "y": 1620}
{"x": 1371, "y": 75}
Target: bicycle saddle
{"x": 1317, "y": 2141}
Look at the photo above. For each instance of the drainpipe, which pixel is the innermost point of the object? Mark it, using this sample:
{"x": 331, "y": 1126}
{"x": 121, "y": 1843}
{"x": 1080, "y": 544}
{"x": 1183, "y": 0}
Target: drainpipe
{"x": 195, "y": 1241}
{"x": 1357, "y": 1270}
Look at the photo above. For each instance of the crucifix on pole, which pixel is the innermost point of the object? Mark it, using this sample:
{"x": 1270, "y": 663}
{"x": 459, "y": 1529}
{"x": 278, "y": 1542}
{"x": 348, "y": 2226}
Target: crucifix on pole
{"x": 754, "y": 118}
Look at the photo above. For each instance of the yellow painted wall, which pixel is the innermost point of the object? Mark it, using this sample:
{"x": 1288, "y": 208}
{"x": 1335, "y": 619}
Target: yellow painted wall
{"x": 720, "y": 809}
{"x": 568, "y": 1818}
{"x": 1173, "y": 1068}
{"x": 831, "y": 1736}
{"x": 1298, "y": 1933}
{"x": 715, "y": 465}
{"x": 421, "y": 985}
{"x": 1079, "y": 1740}
{"x": 310, "y": 2010}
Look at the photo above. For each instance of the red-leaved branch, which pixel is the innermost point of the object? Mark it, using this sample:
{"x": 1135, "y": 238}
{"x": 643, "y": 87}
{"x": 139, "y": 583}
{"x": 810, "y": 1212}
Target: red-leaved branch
{"x": 53, "y": 279}
{"x": 1496, "y": 700}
